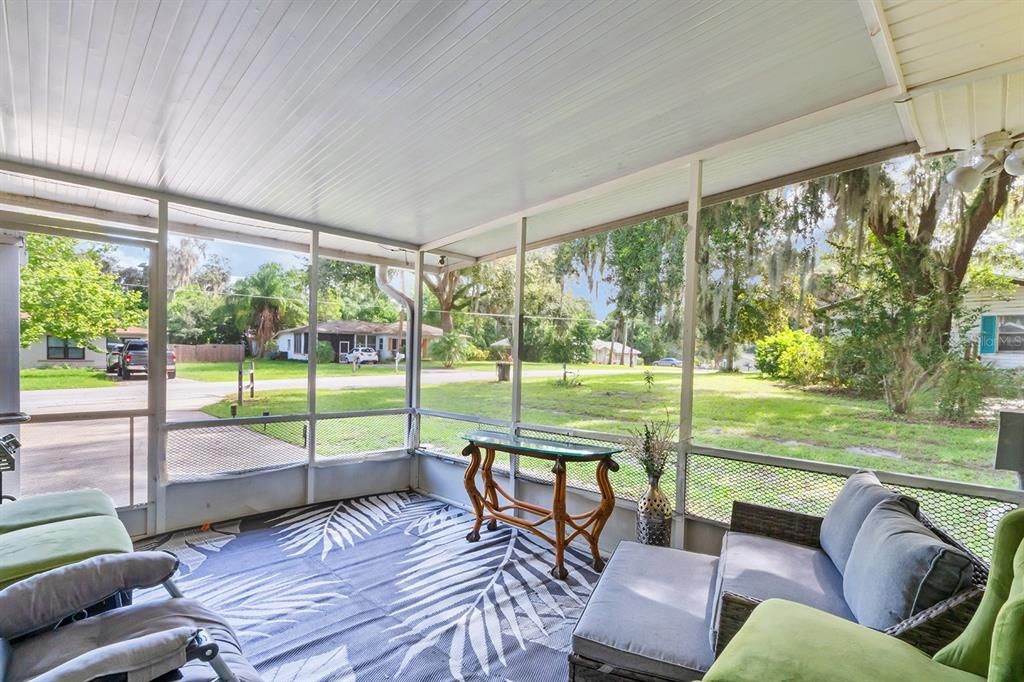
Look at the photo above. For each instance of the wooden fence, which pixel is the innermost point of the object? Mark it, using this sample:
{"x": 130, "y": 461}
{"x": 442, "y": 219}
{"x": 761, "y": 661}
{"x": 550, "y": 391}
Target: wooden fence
{"x": 208, "y": 352}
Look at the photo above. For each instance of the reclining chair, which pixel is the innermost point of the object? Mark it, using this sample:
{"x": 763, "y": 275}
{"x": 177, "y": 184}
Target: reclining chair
{"x": 46, "y": 635}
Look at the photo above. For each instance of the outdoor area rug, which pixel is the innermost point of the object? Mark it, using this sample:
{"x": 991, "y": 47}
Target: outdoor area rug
{"x": 384, "y": 588}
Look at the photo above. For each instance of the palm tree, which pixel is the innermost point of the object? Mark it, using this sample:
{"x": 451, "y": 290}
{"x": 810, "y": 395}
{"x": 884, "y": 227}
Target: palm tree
{"x": 265, "y": 302}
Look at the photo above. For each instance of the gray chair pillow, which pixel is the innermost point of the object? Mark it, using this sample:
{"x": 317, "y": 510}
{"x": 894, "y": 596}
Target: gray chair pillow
{"x": 899, "y": 568}
{"x": 843, "y": 520}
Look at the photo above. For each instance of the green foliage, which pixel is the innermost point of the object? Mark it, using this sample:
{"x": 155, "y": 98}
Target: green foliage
{"x": 852, "y": 363}
{"x": 803, "y": 363}
{"x": 477, "y": 354}
{"x": 324, "y": 352}
{"x": 793, "y": 355}
{"x": 450, "y": 349}
{"x": 67, "y": 293}
{"x": 349, "y": 291}
{"x": 965, "y": 383}
{"x": 195, "y": 316}
{"x": 649, "y": 380}
{"x": 896, "y": 321}
{"x": 267, "y": 301}
{"x": 572, "y": 345}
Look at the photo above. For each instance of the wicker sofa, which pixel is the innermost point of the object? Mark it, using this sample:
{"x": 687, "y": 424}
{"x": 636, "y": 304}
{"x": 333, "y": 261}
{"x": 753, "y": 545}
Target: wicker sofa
{"x": 665, "y": 614}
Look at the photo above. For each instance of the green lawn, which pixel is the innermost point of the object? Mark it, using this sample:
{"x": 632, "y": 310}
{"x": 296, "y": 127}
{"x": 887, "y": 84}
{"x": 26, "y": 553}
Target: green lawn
{"x": 742, "y": 412}
{"x": 295, "y": 369}
{"x": 43, "y": 378}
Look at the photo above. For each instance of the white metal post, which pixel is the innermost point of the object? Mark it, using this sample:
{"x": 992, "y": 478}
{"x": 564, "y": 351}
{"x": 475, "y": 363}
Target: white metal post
{"x": 689, "y": 343}
{"x": 314, "y": 286}
{"x": 157, "y": 387}
{"x": 517, "y": 341}
{"x": 10, "y": 377}
{"x": 413, "y": 367}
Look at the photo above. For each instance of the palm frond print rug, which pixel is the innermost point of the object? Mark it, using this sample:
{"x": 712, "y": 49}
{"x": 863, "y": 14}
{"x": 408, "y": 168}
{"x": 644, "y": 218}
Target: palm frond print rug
{"x": 385, "y": 588}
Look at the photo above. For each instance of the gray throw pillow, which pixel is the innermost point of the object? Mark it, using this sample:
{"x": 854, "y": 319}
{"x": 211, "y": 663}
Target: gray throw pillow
{"x": 858, "y": 497}
{"x": 899, "y": 568}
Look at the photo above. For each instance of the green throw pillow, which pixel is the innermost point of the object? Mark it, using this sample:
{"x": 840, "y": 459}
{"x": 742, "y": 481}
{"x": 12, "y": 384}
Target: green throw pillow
{"x": 992, "y": 635}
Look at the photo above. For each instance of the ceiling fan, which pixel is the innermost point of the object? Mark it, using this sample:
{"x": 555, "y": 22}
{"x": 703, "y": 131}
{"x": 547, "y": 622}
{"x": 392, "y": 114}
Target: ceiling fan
{"x": 996, "y": 151}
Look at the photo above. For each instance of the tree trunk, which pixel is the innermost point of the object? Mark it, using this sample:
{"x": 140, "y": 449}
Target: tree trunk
{"x": 445, "y": 288}
{"x": 730, "y": 351}
{"x": 611, "y": 348}
{"x": 625, "y": 339}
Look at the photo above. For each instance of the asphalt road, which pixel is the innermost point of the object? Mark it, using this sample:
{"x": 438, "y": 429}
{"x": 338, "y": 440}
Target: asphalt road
{"x": 187, "y": 394}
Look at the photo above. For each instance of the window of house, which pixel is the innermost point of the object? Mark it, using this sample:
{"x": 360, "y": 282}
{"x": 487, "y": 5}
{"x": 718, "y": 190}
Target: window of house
{"x": 61, "y": 349}
{"x": 1011, "y": 333}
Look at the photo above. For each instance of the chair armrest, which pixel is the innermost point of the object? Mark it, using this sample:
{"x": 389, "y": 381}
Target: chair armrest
{"x": 47, "y": 598}
{"x": 149, "y": 656}
{"x": 938, "y": 625}
{"x": 733, "y": 611}
{"x": 801, "y": 529}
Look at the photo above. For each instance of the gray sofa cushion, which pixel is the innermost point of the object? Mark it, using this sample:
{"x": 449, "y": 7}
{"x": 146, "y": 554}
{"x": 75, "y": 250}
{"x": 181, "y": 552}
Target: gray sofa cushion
{"x": 855, "y": 501}
{"x": 898, "y": 568}
{"x": 649, "y": 613}
{"x": 764, "y": 568}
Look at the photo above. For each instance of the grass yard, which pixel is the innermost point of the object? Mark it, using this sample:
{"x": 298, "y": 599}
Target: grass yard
{"x": 44, "y": 378}
{"x": 295, "y": 369}
{"x": 741, "y": 412}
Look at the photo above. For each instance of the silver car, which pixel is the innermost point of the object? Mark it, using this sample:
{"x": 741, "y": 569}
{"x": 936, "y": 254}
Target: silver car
{"x": 668, "y": 362}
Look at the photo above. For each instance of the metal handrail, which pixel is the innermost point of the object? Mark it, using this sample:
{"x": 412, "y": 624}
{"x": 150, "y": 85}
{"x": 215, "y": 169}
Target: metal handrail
{"x": 7, "y": 418}
{"x": 1008, "y": 495}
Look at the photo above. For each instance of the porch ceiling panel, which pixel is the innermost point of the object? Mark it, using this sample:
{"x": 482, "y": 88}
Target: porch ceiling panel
{"x": 407, "y": 120}
{"x": 936, "y": 39}
{"x": 952, "y": 118}
{"x": 851, "y": 136}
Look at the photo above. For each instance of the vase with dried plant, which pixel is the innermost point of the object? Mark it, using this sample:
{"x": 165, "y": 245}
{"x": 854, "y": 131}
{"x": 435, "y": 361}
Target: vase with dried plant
{"x": 653, "y": 443}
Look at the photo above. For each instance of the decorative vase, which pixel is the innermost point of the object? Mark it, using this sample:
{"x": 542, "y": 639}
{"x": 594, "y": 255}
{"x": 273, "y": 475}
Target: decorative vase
{"x": 654, "y": 516}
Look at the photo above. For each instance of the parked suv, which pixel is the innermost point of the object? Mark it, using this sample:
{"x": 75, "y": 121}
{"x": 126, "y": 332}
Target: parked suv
{"x": 132, "y": 357}
{"x": 363, "y": 355}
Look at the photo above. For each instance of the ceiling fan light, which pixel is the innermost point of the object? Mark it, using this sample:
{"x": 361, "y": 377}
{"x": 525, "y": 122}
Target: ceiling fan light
{"x": 964, "y": 178}
{"x": 1014, "y": 163}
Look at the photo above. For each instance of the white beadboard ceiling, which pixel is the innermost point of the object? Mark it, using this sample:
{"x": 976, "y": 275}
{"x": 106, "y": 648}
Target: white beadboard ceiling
{"x": 439, "y": 121}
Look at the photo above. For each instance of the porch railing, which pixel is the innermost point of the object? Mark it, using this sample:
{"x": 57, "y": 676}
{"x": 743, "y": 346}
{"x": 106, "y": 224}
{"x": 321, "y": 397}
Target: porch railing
{"x": 207, "y": 448}
{"x": 716, "y": 477}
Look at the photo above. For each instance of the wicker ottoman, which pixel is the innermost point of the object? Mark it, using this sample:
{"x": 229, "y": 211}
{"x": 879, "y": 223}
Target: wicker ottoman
{"x": 648, "y": 618}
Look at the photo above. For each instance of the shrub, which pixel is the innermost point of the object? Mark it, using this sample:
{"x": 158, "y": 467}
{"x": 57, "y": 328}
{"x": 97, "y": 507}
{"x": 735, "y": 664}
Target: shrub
{"x": 450, "y": 349}
{"x": 477, "y": 354}
{"x": 792, "y": 355}
{"x": 855, "y": 365}
{"x": 963, "y": 386}
{"x": 324, "y": 352}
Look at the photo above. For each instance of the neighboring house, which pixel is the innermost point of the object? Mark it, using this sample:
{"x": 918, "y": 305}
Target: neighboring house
{"x": 602, "y": 349}
{"x": 999, "y": 331}
{"x": 344, "y": 335}
{"x": 51, "y": 351}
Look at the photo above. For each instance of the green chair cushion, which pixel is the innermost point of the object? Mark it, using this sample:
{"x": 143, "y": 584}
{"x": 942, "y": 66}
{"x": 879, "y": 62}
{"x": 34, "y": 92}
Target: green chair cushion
{"x": 28, "y": 551}
{"x": 784, "y": 640}
{"x": 53, "y": 507}
{"x": 975, "y": 647}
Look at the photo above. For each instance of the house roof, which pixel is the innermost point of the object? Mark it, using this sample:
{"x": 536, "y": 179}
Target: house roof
{"x": 360, "y": 327}
{"x": 601, "y": 344}
{"x": 436, "y": 126}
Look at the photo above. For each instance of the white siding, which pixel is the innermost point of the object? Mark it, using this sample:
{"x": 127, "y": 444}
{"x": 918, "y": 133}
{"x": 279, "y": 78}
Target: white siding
{"x": 35, "y": 356}
{"x": 996, "y": 305}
